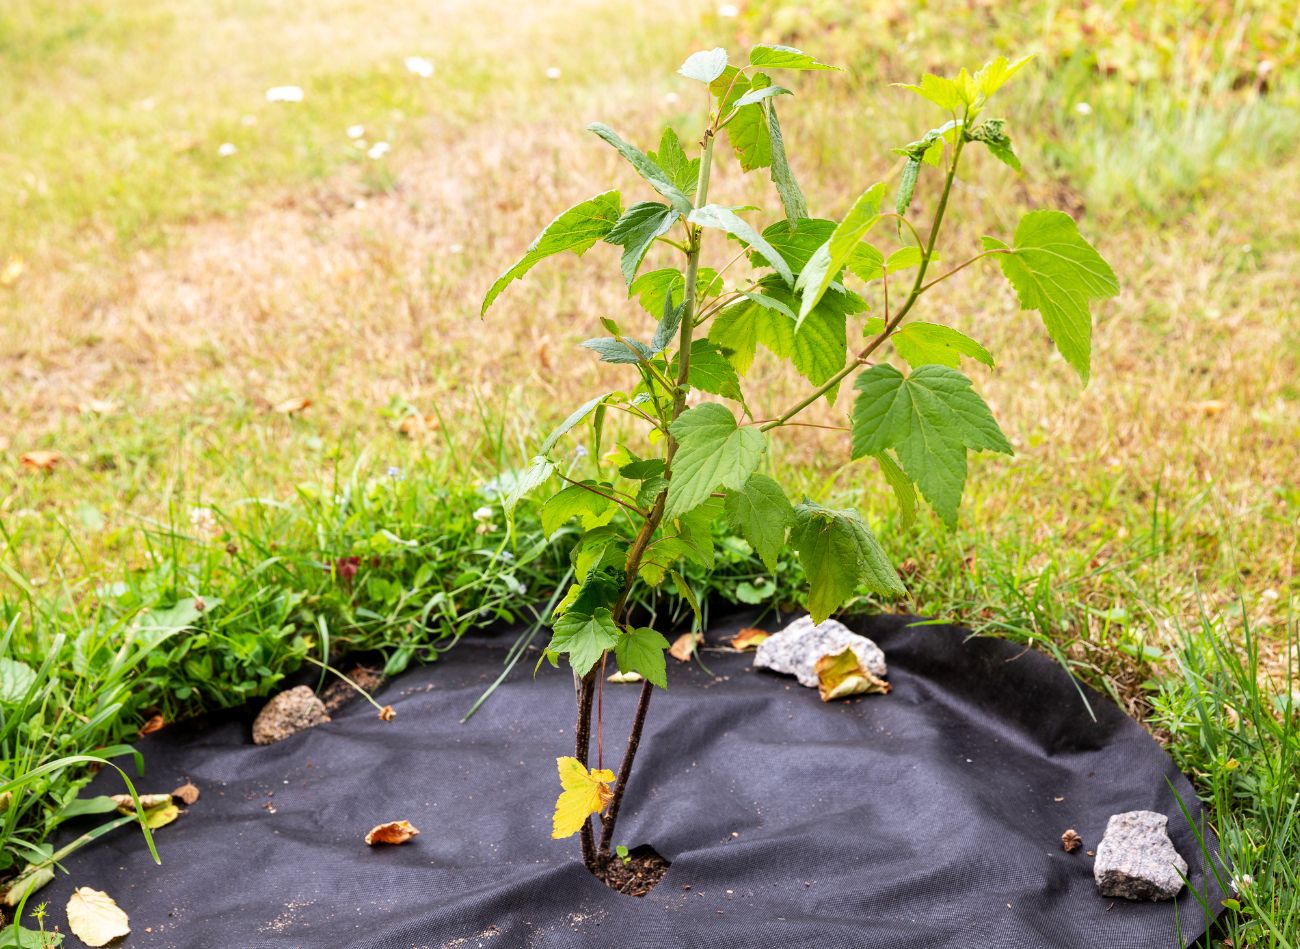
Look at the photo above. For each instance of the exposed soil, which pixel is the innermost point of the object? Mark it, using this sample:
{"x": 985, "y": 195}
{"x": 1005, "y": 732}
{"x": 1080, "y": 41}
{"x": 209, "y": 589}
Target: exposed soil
{"x": 338, "y": 693}
{"x": 636, "y": 876}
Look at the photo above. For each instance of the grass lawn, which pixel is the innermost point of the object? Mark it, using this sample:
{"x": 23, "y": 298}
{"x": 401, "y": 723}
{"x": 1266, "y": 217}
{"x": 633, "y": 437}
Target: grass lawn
{"x": 245, "y": 336}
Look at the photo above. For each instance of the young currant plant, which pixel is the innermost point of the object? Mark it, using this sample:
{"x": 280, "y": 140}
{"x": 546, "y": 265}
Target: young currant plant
{"x": 655, "y": 508}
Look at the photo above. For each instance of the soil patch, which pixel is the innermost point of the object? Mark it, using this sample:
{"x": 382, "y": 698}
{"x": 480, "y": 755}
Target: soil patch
{"x": 635, "y": 876}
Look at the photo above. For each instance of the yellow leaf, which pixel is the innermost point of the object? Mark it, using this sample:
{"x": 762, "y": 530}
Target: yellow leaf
{"x": 94, "y": 918}
{"x": 684, "y": 646}
{"x": 748, "y": 638}
{"x": 842, "y": 674}
{"x": 162, "y": 815}
{"x": 394, "y": 832}
{"x": 585, "y": 793}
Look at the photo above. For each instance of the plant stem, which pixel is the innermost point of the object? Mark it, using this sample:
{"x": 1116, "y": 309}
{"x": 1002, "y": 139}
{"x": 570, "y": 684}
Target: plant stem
{"x": 643, "y": 538}
{"x": 582, "y": 744}
{"x": 918, "y": 287}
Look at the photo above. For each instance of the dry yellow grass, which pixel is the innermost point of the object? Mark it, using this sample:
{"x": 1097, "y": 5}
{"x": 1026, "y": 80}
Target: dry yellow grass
{"x": 355, "y": 296}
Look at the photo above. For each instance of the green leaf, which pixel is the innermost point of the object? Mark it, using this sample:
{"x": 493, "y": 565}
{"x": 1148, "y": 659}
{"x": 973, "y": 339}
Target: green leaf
{"x": 995, "y": 74}
{"x": 671, "y": 157}
{"x": 924, "y": 344}
{"x": 725, "y": 219}
{"x": 637, "y": 230}
{"x": 598, "y": 549}
{"x": 949, "y": 94}
{"x": 645, "y": 167}
{"x": 16, "y": 680}
{"x": 590, "y": 508}
{"x": 993, "y": 134}
{"x": 905, "y": 258}
{"x": 1055, "y": 271}
{"x": 583, "y": 638}
{"x": 666, "y": 330}
{"x": 907, "y": 186}
{"x": 642, "y": 650}
{"x": 828, "y": 259}
{"x": 659, "y": 558}
{"x": 27, "y": 938}
{"x": 796, "y": 245}
{"x": 712, "y": 451}
{"x": 747, "y": 128}
{"x": 526, "y": 481}
{"x": 761, "y": 513}
{"x": 783, "y": 57}
{"x": 901, "y": 484}
{"x": 653, "y": 288}
{"x": 839, "y": 554}
{"x": 706, "y": 65}
{"x": 642, "y": 469}
{"x": 620, "y": 352}
{"x": 687, "y": 594}
{"x": 695, "y": 530}
{"x": 577, "y": 229}
{"x": 931, "y": 418}
{"x": 759, "y": 95}
{"x": 792, "y": 199}
{"x": 580, "y": 413}
{"x": 711, "y": 372}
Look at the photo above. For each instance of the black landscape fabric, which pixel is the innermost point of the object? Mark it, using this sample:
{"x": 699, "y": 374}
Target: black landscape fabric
{"x": 930, "y": 817}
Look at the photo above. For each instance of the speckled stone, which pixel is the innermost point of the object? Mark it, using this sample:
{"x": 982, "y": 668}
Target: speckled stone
{"x": 290, "y": 712}
{"x": 796, "y": 649}
{"x": 1136, "y": 860}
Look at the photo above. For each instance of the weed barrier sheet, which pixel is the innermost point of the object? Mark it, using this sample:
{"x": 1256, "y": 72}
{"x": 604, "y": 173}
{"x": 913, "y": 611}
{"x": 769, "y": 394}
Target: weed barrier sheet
{"x": 930, "y": 817}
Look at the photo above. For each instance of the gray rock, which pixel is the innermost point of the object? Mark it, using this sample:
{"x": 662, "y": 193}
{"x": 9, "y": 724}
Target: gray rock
{"x": 796, "y": 649}
{"x": 290, "y": 712}
{"x": 1136, "y": 860}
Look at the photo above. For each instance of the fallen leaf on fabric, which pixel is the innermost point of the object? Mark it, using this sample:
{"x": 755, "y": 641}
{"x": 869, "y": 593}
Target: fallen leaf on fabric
{"x": 148, "y": 801}
{"x": 41, "y": 460}
{"x": 387, "y": 714}
{"x": 842, "y": 674}
{"x": 156, "y": 723}
{"x": 29, "y": 881}
{"x": 394, "y": 832}
{"x": 187, "y": 794}
{"x": 624, "y": 678}
{"x": 291, "y": 406}
{"x": 585, "y": 793}
{"x": 1071, "y": 841}
{"x": 94, "y": 918}
{"x": 161, "y": 816}
{"x": 748, "y": 638}
{"x": 684, "y": 646}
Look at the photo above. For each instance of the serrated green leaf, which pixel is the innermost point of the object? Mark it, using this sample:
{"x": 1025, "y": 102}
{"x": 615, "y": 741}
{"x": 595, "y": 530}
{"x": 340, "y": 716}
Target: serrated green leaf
{"x": 659, "y": 558}
{"x": 642, "y": 469}
{"x": 577, "y": 229}
{"x": 783, "y": 57}
{"x": 695, "y": 529}
{"x": 620, "y": 352}
{"x": 712, "y": 451}
{"x": 598, "y": 549}
{"x": 645, "y": 167}
{"x": 669, "y": 324}
{"x": 597, "y": 591}
{"x": 792, "y": 199}
{"x": 945, "y": 93}
{"x": 580, "y": 413}
{"x": 527, "y": 481}
{"x": 637, "y": 230}
{"x": 839, "y": 554}
{"x": 705, "y": 66}
{"x": 16, "y": 680}
{"x": 830, "y": 258}
{"x": 905, "y": 258}
{"x": 994, "y": 75}
{"x": 653, "y": 288}
{"x": 924, "y": 344}
{"x": 580, "y": 501}
{"x": 760, "y": 95}
{"x": 671, "y": 157}
{"x": 725, "y": 219}
{"x": 687, "y": 594}
{"x": 584, "y": 638}
{"x": 747, "y": 128}
{"x": 762, "y": 513}
{"x": 930, "y": 418}
{"x": 796, "y": 245}
{"x": 711, "y": 372}
{"x": 992, "y": 133}
{"x": 901, "y": 485}
{"x": 642, "y": 651}
{"x": 1055, "y": 271}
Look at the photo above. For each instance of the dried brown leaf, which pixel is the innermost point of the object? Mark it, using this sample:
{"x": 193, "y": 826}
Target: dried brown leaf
{"x": 291, "y": 406}
{"x": 155, "y": 723}
{"x": 842, "y": 674}
{"x": 1071, "y": 841}
{"x": 684, "y": 646}
{"x": 748, "y": 638}
{"x": 414, "y": 425}
{"x": 94, "y": 918}
{"x": 187, "y": 793}
{"x": 41, "y": 460}
{"x": 148, "y": 801}
{"x": 387, "y": 714}
{"x": 394, "y": 832}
